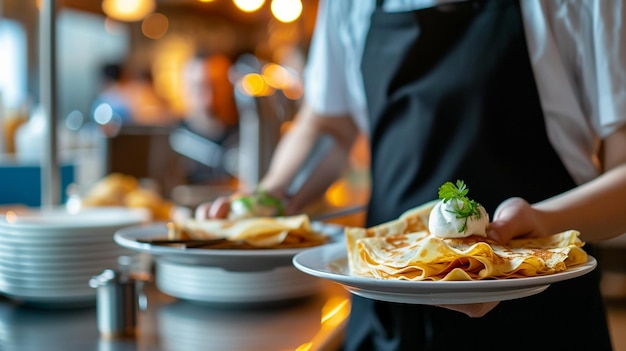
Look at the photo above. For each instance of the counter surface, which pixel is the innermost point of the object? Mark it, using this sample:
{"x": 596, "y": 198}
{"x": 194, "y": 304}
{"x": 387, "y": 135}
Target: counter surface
{"x": 167, "y": 323}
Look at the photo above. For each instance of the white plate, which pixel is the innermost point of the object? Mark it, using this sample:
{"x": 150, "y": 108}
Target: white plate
{"x": 214, "y": 278}
{"x": 232, "y": 260}
{"x": 49, "y": 295}
{"x": 8, "y": 238}
{"x": 59, "y": 264}
{"x": 45, "y": 257}
{"x": 59, "y": 219}
{"x": 60, "y": 235}
{"x": 59, "y": 291}
{"x": 330, "y": 262}
{"x": 60, "y": 250}
{"x": 281, "y": 283}
{"x": 42, "y": 271}
{"x": 71, "y": 283}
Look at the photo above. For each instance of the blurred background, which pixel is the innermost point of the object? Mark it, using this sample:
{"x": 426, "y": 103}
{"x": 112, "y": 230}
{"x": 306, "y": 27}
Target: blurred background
{"x": 188, "y": 96}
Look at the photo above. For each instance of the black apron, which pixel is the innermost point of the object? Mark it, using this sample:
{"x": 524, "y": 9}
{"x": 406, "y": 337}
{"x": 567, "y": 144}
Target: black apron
{"x": 451, "y": 95}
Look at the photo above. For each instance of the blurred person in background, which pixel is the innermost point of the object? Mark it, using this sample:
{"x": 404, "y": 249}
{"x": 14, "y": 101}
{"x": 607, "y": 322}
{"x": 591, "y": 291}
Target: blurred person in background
{"x": 523, "y": 100}
{"x": 210, "y": 117}
{"x": 112, "y": 92}
{"x": 128, "y": 97}
{"x": 208, "y": 96}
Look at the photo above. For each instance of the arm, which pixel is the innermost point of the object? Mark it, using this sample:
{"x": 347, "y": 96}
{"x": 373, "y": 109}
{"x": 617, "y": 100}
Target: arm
{"x": 295, "y": 147}
{"x": 597, "y": 209}
{"x": 291, "y": 152}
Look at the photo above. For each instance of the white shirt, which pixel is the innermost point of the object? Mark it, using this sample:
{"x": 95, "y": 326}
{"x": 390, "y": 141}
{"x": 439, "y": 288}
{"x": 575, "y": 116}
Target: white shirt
{"x": 577, "y": 50}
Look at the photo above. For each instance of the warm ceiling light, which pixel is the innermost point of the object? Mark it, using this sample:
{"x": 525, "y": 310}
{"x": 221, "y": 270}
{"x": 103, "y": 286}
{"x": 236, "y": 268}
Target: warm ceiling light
{"x": 248, "y": 5}
{"x": 128, "y": 10}
{"x": 286, "y": 11}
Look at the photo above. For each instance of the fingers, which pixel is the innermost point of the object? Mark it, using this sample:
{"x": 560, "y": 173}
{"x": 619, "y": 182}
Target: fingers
{"x": 497, "y": 231}
{"x": 474, "y": 310}
{"x": 216, "y": 209}
{"x": 220, "y": 208}
{"x": 202, "y": 211}
{"x": 512, "y": 218}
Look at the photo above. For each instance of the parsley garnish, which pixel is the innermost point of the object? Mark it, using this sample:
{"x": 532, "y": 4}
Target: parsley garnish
{"x": 462, "y": 206}
{"x": 265, "y": 199}
{"x": 261, "y": 198}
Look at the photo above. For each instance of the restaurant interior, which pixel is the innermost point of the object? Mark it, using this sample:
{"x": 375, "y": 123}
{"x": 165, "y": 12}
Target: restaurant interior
{"x": 187, "y": 99}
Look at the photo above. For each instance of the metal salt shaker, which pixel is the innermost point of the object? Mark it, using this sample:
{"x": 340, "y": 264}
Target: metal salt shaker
{"x": 116, "y": 301}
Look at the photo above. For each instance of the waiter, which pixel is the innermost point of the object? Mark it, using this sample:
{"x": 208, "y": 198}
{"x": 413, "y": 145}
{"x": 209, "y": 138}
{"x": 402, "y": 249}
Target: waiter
{"x": 513, "y": 97}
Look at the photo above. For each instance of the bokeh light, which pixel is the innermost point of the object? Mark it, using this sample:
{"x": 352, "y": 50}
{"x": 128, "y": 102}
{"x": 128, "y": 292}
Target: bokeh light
{"x": 128, "y": 10}
{"x": 248, "y": 5}
{"x": 286, "y": 10}
{"x": 155, "y": 25}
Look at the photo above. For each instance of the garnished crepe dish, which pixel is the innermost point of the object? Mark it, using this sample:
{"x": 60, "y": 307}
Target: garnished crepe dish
{"x": 250, "y": 233}
{"x": 446, "y": 239}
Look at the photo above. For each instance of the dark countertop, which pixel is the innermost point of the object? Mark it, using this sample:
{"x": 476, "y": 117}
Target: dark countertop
{"x": 167, "y": 323}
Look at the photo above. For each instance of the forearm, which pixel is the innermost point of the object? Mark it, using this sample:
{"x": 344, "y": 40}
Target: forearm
{"x": 290, "y": 153}
{"x": 295, "y": 147}
{"x": 597, "y": 209}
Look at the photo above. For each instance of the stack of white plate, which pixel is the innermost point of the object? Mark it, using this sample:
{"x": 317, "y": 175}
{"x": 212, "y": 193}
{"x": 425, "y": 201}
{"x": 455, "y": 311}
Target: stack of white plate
{"x": 48, "y": 256}
{"x": 216, "y": 285}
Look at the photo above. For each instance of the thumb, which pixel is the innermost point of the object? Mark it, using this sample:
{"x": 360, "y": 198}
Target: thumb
{"x": 508, "y": 220}
{"x": 499, "y": 231}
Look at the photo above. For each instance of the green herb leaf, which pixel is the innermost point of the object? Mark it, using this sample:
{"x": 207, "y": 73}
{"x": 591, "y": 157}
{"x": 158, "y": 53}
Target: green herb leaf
{"x": 462, "y": 206}
{"x": 265, "y": 199}
{"x": 246, "y": 201}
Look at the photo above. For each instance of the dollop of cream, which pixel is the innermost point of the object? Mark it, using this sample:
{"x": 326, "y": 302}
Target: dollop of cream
{"x": 253, "y": 206}
{"x": 442, "y": 222}
{"x": 239, "y": 211}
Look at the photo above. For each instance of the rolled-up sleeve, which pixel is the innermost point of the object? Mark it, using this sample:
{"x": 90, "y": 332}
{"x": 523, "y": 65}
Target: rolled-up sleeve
{"x": 609, "y": 55}
{"x": 324, "y": 76}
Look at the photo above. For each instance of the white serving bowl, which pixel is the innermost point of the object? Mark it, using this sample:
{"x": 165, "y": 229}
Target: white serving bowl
{"x": 216, "y": 285}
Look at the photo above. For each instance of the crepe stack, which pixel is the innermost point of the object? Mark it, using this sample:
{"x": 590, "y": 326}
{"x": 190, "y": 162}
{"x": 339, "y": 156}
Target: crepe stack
{"x": 249, "y": 233}
{"x": 403, "y": 249}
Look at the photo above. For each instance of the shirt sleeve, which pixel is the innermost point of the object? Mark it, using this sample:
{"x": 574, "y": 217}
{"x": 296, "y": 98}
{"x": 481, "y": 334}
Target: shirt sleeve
{"x": 324, "y": 79}
{"x": 607, "y": 63}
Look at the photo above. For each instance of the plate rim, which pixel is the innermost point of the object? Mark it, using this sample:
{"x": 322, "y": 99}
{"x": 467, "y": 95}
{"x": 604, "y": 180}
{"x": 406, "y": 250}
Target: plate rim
{"x": 108, "y": 217}
{"x": 124, "y": 237}
{"x": 337, "y": 251}
{"x": 437, "y": 298}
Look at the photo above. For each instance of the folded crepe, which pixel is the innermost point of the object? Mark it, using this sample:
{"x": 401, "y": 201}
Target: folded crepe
{"x": 254, "y": 232}
{"x": 404, "y": 249}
